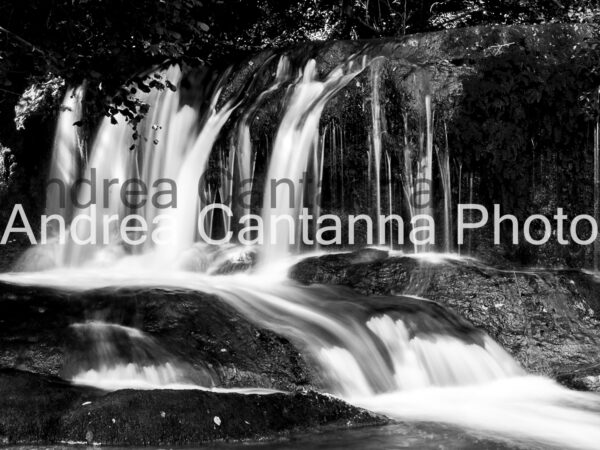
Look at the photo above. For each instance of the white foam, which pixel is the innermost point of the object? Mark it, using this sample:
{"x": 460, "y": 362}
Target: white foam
{"x": 524, "y": 409}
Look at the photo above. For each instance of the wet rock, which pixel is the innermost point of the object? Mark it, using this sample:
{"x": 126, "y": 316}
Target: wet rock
{"x": 548, "y": 320}
{"x": 583, "y": 378}
{"x": 367, "y": 271}
{"x": 36, "y": 409}
{"x": 36, "y": 334}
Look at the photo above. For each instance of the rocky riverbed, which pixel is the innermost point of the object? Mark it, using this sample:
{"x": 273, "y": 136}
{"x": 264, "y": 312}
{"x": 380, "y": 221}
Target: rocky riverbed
{"x": 196, "y": 329}
{"x": 549, "y": 320}
{"x": 40, "y": 348}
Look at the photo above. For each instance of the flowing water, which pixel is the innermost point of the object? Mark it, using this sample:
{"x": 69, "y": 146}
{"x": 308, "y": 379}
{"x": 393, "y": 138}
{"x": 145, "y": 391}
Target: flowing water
{"x": 403, "y": 361}
{"x": 396, "y": 363}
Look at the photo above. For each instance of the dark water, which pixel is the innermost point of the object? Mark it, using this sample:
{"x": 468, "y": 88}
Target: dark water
{"x": 400, "y": 436}
{"x": 425, "y": 436}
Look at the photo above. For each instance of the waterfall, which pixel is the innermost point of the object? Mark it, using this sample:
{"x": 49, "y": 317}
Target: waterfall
{"x": 293, "y": 145}
{"x": 358, "y": 353}
{"x": 111, "y": 161}
{"x": 409, "y": 360}
{"x": 194, "y": 162}
{"x": 113, "y": 356}
{"x": 171, "y": 148}
{"x": 376, "y": 140}
{"x": 67, "y": 153}
{"x": 175, "y": 142}
{"x": 167, "y": 145}
{"x": 410, "y": 363}
{"x": 424, "y": 181}
{"x": 245, "y": 155}
{"x": 388, "y": 162}
{"x": 443, "y": 156}
{"x": 471, "y": 197}
{"x": 318, "y": 158}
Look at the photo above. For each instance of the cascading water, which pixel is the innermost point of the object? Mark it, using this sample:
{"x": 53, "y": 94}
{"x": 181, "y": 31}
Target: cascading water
{"x": 114, "y": 357}
{"x": 119, "y": 357}
{"x": 402, "y": 363}
{"x": 443, "y": 156}
{"x": 68, "y": 152}
{"x": 245, "y": 156}
{"x": 388, "y": 163}
{"x": 376, "y": 147}
{"x": 410, "y": 361}
{"x": 295, "y": 141}
{"x": 169, "y": 147}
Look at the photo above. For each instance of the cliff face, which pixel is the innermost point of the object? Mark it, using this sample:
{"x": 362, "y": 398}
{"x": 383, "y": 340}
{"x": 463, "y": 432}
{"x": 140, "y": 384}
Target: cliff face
{"x": 510, "y": 105}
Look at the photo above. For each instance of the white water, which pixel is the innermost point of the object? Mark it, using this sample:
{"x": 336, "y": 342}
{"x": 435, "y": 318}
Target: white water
{"x": 431, "y": 377}
{"x": 146, "y": 364}
{"x": 527, "y": 410}
{"x": 246, "y": 157}
{"x": 133, "y": 376}
{"x": 151, "y": 377}
{"x": 374, "y": 353}
{"x": 171, "y": 145}
{"x": 175, "y": 142}
{"x": 120, "y": 357}
{"x": 68, "y": 153}
{"x": 297, "y": 139}
{"x": 376, "y": 144}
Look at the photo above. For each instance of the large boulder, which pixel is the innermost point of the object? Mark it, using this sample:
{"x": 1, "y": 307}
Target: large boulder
{"x": 198, "y": 330}
{"x": 36, "y": 409}
{"x": 548, "y": 320}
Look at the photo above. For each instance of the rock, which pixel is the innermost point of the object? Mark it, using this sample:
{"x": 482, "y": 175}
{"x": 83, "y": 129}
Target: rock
{"x": 36, "y": 409}
{"x": 36, "y": 334}
{"x": 583, "y": 378}
{"x": 357, "y": 270}
{"x": 548, "y": 320}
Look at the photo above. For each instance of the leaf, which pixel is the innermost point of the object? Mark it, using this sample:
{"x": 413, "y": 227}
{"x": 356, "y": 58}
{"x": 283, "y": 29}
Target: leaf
{"x": 144, "y": 88}
{"x": 170, "y": 85}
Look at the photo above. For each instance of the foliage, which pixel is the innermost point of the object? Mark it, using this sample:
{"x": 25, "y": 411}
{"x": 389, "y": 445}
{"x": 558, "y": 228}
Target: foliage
{"x": 8, "y": 169}
{"x": 37, "y": 97}
{"x": 108, "y": 42}
{"x": 105, "y": 42}
{"x": 523, "y": 116}
{"x": 453, "y": 13}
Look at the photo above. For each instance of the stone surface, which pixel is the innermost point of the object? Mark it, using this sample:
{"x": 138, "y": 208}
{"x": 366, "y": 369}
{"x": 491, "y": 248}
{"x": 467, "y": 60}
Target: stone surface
{"x": 197, "y": 329}
{"x": 548, "y": 320}
{"x": 36, "y": 409}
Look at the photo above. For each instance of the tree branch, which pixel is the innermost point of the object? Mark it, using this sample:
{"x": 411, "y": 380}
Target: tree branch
{"x": 22, "y": 41}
